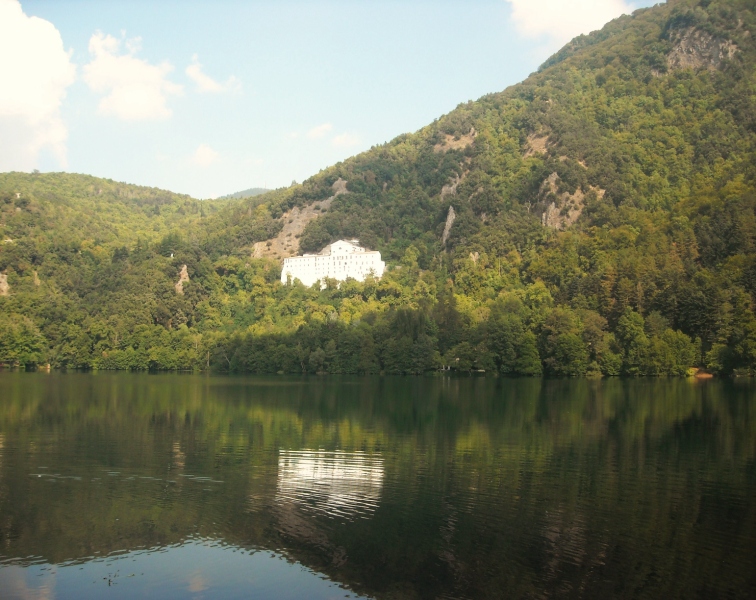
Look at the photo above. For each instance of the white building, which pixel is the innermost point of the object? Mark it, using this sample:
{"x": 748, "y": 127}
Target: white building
{"x": 338, "y": 261}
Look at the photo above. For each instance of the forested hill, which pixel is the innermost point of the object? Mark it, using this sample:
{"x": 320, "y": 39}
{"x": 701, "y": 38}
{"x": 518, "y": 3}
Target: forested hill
{"x": 250, "y": 193}
{"x": 596, "y": 218}
{"x": 64, "y": 207}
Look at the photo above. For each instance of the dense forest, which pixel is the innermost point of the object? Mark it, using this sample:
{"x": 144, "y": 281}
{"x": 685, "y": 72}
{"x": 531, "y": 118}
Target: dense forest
{"x": 596, "y": 219}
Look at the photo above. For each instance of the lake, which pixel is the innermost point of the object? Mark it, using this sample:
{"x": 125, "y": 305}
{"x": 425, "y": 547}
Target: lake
{"x": 192, "y": 486}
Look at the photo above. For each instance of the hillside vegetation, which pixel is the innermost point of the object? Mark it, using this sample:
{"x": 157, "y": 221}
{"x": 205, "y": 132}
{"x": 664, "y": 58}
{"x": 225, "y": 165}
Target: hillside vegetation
{"x": 250, "y": 193}
{"x": 597, "y": 218}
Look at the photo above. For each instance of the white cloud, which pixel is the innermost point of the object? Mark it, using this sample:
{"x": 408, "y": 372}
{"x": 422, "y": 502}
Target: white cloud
{"x": 204, "y": 156}
{"x": 205, "y": 83}
{"x": 35, "y": 71}
{"x": 561, "y": 20}
{"x": 134, "y": 89}
{"x": 319, "y": 131}
{"x": 345, "y": 140}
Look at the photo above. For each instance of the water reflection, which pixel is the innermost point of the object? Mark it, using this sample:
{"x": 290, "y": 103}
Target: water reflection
{"x": 394, "y": 488}
{"x": 195, "y": 569}
{"x": 339, "y": 484}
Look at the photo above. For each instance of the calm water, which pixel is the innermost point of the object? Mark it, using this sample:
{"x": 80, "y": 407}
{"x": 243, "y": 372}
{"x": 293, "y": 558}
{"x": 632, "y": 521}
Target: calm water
{"x": 170, "y": 486}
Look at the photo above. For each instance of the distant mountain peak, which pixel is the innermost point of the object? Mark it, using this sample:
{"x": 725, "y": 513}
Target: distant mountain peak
{"x": 250, "y": 193}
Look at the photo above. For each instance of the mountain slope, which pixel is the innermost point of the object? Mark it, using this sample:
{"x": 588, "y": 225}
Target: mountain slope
{"x": 619, "y": 174}
{"x": 86, "y": 207}
{"x": 596, "y": 218}
{"x": 614, "y": 115}
{"x": 250, "y": 193}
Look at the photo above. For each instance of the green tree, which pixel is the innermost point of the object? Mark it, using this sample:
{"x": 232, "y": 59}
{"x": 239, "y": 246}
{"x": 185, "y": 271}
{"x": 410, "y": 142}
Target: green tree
{"x": 21, "y": 342}
{"x": 633, "y": 341}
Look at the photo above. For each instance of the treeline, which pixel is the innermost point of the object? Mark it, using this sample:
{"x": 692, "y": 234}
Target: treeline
{"x": 410, "y": 322}
{"x": 406, "y": 341}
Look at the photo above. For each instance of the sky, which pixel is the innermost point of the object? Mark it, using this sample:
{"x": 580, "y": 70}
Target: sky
{"x": 211, "y": 97}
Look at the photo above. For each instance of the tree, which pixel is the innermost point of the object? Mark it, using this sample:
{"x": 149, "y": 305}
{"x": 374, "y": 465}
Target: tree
{"x": 633, "y": 341}
{"x": 569, "y": 356}
{"x": 317, "y": 360}
{"x": 21, "y": 342}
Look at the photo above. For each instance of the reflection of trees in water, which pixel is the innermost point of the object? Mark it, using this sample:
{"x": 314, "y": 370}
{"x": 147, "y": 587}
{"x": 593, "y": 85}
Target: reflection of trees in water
{"x": 416, "y": 487}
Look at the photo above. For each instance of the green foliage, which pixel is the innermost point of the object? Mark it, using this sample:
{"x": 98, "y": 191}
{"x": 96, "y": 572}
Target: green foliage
{"x": 647, "y": 168}
{"x": 21, "y": 342}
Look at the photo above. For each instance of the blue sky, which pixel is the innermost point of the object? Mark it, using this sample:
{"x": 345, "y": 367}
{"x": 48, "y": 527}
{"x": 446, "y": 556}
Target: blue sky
{"x": 208, "y": 98}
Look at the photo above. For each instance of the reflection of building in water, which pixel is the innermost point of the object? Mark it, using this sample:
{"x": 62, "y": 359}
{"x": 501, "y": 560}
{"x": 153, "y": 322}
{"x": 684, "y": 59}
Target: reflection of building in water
{"x": 338, "y": 484}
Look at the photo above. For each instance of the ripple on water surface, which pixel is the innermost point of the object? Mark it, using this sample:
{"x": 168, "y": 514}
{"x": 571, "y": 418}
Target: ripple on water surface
{"x": 172, "y": 487}
{"x": 195, "y": 569}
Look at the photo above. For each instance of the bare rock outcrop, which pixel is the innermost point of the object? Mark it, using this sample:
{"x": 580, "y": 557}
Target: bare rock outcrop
{"x": 450, "y": 189}
{"x": 451, "y": 142}
{"x": 562, "y": 210}
{"x": 183, "y": 278}
{"x": 286, "y": 243}
{"x": 4, "y": 287}
{"x": 450, "y": 216}
{"x": 339, "y": 187}
{"x": 697, "y": 49}
{"x": 538, "y": 143}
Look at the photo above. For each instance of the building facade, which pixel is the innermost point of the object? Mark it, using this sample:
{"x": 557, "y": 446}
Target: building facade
{"x": 340, "y": 260}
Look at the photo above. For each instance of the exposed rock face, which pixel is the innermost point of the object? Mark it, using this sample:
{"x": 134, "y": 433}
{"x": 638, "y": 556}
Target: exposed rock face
{"x": 339, "y": 187}
{"x": 562, "y": 210}
{"x": 4, "y": 287}
{"x": 538, "y": 143}
{"x": 450, "y": 189}
{"x": 183, "y": 278}
{"x": 286, "y": 243}
{"x": 696, "y": 49}
{"x": 452, "y": 143}
{"x": 450, "y": 216}
{"x": 550, "y": 217}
